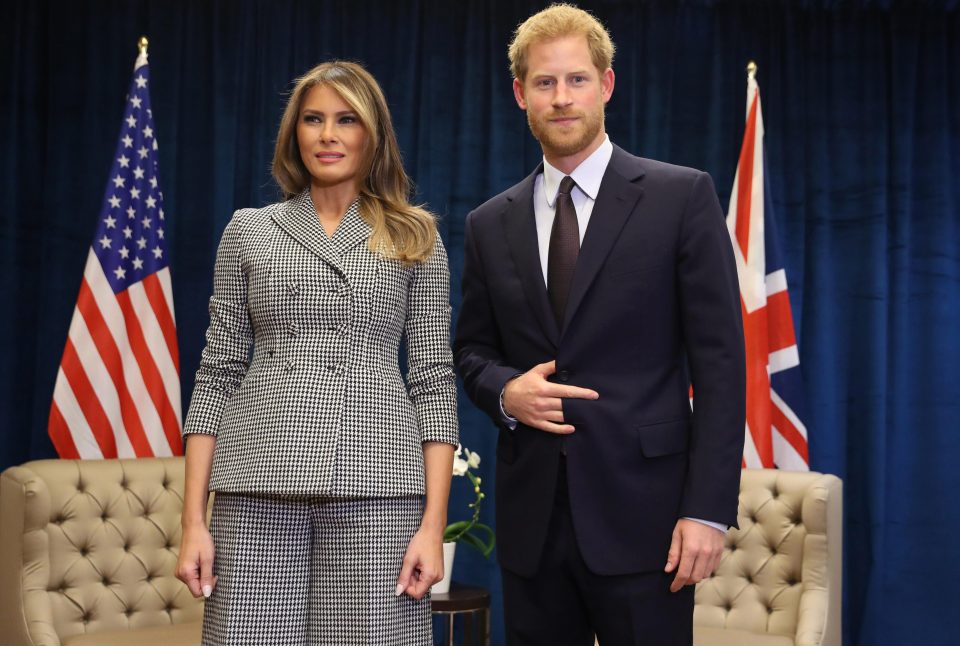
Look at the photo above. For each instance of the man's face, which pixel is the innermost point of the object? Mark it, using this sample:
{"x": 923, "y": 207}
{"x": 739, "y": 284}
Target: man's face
{"x": 564, "y": 95}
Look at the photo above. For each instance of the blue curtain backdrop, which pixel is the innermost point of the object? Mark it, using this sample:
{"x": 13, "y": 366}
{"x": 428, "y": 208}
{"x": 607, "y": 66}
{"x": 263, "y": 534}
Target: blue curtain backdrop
{"x": 862, "y": 109}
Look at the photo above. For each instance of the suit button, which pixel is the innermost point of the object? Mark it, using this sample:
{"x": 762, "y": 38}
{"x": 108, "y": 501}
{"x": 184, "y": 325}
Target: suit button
{"x": 289, "y": 365}
{"x": 563, "y": 376}
{"x": 293, "y": 288}
{"x": 293, "y": 329}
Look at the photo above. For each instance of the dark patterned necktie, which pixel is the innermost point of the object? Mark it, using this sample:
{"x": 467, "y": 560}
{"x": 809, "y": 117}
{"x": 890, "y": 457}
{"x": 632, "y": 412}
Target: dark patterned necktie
{"x": 564, "y": 248}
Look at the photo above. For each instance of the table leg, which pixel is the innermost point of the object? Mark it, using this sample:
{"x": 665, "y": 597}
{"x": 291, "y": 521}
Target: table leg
{"x": 468, "y": 628}
{"x": 450, "y": 629}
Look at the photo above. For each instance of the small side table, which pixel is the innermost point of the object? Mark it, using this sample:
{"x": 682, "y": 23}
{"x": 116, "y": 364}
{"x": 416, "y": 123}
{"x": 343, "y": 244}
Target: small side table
{"x": 471, "y": 602}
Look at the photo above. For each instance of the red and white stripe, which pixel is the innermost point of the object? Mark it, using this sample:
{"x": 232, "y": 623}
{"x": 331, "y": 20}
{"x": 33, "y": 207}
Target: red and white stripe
{"x": 117, "y": 391}
{"x": 775, "y": 436}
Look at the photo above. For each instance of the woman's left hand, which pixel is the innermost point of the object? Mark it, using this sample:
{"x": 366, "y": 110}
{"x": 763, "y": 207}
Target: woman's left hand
{"x": 422, "y": 564}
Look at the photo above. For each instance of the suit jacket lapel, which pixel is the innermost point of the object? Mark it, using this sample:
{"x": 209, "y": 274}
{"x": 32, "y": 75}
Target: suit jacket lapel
{"x": 616, "y": 199}
{"x": 298, "y": 218}
{"x": 520, "y": 227}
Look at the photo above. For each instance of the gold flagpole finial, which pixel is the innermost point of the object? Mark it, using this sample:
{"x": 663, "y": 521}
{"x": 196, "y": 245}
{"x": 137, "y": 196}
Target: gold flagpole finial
{"x": 142, "y": 44}
{"x": 751, "y": 70}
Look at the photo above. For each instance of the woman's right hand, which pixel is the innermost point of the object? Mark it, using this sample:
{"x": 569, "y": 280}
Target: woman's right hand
{"x": 195, "y": 563}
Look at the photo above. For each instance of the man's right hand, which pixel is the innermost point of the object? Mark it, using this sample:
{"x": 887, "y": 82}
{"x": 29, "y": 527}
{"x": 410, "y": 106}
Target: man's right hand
{"x": 538, "y": 403}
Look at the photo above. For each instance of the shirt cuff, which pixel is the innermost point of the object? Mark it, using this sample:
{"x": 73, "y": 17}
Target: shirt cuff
{"x": 509, "y": 422}
{"x": 718, "y": 526}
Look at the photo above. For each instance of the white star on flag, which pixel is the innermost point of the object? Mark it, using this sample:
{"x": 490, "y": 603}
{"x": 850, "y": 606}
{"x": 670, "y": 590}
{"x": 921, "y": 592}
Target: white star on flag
{"x": 148, "y": 132}
{"x": 132, "y": 121}
{"x": 110, "y": 222}
{"x": 137, "y": 263}
{"x": 114, "y": 201}
{"x": 151, "y": 202}
{"x": 120, "y": 273}
{"x": 127, "y": 142}
{"x": 142, "y": 243}
{"x": 124, "y": 252}
{"x": 105, "y": 242}
{"x": 143, "y": 152}
{"x": 118, "y": 181}
{"x": 127, "y": 232}
{"x": 138, "y": 172}
{"x": 141, "y": 82}
{"x": 134, "y": 193}
{"x": 136, "y": 101}
{"x": 157, "y": 252}
{"x": 124, "y": 161}
{"x": 153, "y": 182}
{"x": 145, "y": 222}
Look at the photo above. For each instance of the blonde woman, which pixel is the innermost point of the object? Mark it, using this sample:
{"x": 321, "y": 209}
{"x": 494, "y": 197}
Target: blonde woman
{"x": 332, "y": 472}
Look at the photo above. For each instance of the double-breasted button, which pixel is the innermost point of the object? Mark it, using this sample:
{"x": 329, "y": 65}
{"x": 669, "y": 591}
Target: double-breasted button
{"x": 293, "y": 329}
{"x": 289, "y": 365}
{"x": 563, "y": 376}
{"x": 292, "y": 288}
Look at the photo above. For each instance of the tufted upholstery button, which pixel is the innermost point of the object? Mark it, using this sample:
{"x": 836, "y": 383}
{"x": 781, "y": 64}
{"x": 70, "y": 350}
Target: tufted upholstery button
{"x": 106, "y": 582}
{"x": 84, "y": 551}
{"x": 769, "y": 610}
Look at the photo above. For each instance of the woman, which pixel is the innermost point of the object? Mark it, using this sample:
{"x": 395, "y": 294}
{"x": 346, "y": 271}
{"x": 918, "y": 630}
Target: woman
{"x": 319, "y": 453}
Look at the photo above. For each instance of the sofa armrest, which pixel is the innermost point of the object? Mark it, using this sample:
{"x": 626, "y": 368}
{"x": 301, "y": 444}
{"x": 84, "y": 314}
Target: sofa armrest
{"x": 818, "y": 621}
{"x": 24, "y": 560}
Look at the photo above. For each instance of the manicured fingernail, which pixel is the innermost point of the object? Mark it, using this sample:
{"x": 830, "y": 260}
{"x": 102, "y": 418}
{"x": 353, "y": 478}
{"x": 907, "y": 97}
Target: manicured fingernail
{"x": 207, "y": 590}
{"x": 399, "y": 589}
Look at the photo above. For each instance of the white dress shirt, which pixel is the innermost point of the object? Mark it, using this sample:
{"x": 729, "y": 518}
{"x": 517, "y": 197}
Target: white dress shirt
{"x": 587, "y": 177}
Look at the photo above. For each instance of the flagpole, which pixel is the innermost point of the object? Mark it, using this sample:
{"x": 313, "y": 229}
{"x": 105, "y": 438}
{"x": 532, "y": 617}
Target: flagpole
{"x": 751, "y": 70}
{"x": 142, "y": 45}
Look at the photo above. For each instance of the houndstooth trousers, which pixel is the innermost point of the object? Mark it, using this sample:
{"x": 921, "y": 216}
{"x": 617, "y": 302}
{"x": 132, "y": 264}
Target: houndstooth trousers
{"x": 319, "y": 571}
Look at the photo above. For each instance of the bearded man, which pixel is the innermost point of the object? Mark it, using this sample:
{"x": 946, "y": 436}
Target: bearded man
{"x": 595, "y": 292}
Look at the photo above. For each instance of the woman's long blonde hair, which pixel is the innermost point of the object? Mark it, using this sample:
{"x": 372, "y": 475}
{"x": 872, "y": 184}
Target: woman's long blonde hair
{"x": 400, "y": 230}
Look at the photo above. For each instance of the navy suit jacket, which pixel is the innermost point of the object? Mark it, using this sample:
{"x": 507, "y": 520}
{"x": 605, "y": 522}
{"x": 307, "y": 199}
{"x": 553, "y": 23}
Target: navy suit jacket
{"x": 654, "y": 307}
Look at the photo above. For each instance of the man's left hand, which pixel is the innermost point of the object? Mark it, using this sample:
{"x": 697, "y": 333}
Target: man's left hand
{"x": 695, "y": 552}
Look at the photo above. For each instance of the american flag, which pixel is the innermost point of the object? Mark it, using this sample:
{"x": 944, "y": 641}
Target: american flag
{"x": 775, "y": 433}
{"x": 117, "y": 392}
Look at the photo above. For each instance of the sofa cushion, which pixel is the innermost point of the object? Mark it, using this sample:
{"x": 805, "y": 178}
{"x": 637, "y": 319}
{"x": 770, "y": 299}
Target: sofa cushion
{"x": 706, "y": 636}
{"x": 187, "y": 634}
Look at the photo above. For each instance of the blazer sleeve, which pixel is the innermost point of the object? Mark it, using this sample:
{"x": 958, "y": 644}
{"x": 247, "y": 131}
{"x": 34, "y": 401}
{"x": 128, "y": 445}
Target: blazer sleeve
{"x": 430, "y": 379}
{"x": 477, "y": 344}
{"x": 709, "y": 297}
{"x": 226, "y": 357}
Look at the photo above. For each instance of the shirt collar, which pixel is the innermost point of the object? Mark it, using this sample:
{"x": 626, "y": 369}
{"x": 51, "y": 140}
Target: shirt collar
{"x": 587, "y": 175}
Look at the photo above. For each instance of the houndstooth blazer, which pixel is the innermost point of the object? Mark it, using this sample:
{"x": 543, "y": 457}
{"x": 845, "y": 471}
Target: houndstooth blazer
{"x": 320, "y": 407}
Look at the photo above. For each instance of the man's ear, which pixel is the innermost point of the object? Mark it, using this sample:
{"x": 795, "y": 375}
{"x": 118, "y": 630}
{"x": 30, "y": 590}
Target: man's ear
{"x": 518, "y": 94}
{"x": 607, "y": 80}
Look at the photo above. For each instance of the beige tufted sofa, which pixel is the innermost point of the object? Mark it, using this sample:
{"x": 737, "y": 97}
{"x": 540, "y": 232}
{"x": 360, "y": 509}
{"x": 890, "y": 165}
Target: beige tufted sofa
{"x": 779, "y": 582}
{"x": 87, "y": 554}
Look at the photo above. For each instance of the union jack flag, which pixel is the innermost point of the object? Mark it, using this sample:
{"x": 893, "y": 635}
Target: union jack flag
{"x": 117, "y": 392}
{"x": 775, "y": 433}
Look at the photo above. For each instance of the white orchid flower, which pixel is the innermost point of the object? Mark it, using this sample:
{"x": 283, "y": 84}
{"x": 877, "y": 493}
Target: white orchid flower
{"x": 473, "y": 459}
{"x": 460, "y": 466}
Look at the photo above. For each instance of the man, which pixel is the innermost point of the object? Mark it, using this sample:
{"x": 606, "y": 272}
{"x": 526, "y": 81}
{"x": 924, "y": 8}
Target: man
{"x": 595, "y": 292}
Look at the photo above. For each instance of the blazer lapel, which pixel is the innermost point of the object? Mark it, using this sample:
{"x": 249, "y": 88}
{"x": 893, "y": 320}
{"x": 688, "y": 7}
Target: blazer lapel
{"x": 297, "y": 217}
{"x": 353, "y": 230}
{"x": 616, "y": 200}
{"x": 520, "y": 227}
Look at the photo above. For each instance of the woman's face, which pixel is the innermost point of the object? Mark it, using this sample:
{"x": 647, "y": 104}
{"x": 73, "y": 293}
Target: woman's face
{"x": 330, "y": 137}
